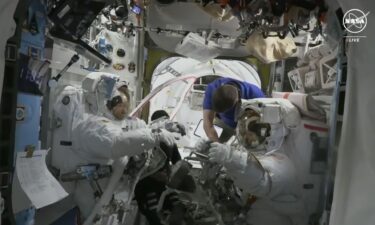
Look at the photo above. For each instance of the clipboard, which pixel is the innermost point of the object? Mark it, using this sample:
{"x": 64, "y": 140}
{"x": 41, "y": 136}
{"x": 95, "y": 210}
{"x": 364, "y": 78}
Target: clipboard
{"x": 36, "y": 181}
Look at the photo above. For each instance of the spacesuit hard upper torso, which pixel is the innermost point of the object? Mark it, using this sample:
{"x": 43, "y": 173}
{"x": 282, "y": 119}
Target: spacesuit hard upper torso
{"x": 81, "y": 138}
{"x": 268, "y": 174}
{"x": 71, "y": 119}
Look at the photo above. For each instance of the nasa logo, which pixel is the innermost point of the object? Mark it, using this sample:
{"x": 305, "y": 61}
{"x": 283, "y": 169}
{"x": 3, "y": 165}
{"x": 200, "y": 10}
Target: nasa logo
{"x": 20, "y": 113}
{"x": 355, "y": 21}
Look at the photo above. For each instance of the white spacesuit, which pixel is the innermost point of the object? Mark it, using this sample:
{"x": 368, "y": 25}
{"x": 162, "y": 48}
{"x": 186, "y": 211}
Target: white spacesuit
{"x": 258, "y": 164}
{"x": 97, "y": 134}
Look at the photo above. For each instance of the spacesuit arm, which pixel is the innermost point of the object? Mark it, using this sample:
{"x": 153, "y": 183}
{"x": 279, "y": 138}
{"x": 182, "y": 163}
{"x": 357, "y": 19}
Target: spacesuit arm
{"x": 98, "y": 137}
{"x": 245, "y": 170}
{"x": 133, "y": 142}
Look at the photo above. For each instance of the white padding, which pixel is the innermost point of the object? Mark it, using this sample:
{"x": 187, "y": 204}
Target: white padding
{"x": 354, "y": 198}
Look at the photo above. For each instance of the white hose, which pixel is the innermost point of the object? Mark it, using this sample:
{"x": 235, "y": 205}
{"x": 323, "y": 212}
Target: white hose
{"x": 132, "y": 189}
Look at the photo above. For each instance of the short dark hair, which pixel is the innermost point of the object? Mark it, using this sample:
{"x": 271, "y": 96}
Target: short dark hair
{"x": 158, "y": 114}
{"x": 224, "y": 98}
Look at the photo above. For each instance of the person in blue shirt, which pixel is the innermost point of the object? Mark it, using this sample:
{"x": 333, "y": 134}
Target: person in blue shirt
{"x": 221, "y": 99}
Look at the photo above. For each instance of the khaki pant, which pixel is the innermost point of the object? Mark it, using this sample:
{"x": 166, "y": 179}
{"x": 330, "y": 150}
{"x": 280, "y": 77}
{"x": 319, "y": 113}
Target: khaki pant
{"x": 228, "y": 131}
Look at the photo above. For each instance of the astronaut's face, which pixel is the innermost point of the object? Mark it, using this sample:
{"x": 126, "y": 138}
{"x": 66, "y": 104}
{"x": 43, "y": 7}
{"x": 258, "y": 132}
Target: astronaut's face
{"x": 121, "y": 110}
{"x": 245, "y": 134}
{"x": 251, "y": 139}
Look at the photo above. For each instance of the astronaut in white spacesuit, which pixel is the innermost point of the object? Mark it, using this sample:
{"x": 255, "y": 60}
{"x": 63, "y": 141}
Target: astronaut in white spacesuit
{"x": 101, "y": 132}
{"x": 258, "y": 164}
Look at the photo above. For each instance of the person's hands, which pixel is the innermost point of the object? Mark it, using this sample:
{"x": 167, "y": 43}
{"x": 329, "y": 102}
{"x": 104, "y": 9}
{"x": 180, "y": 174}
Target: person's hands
{"x": 158, "y": 123}
{"x": 166, "y": 137}
{"x": 202, "y": 145}
{"x": 175, "y": 127}
{"x": 219, "y": 153}
{"x": 134, "y": 124}
{"x": 171, "y": 126}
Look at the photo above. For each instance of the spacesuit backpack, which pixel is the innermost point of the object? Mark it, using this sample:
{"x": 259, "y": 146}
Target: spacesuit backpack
{"x": 67, "y": 108}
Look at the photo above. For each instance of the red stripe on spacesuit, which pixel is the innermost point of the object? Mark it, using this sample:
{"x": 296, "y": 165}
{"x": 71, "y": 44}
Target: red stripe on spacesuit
{"x": 312, "y": 127}
{"x": 286, "y": 95}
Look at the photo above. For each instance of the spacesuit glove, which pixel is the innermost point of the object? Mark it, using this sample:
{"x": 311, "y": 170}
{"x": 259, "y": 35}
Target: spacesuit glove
{"x": 164, "y": 136}
{"x": 159, "y": 123}
{"x": 171, "y": 126}
{"x": 132, "y": 123}
{"x": 202, "y": 145}
{"x": 228, "y": 157}
{"x": 175, "y": 127}
{"x": 219, "y": 153}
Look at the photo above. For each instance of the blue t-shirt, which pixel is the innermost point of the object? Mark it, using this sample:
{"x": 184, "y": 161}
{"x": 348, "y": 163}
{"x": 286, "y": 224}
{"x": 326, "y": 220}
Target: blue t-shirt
{"x": 248, "y": 91}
